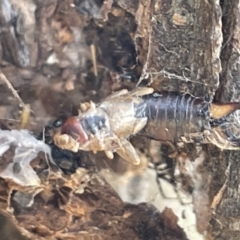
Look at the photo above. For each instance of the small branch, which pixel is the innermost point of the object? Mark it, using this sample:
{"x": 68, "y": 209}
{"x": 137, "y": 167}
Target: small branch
{"x": 14, "y": 92}
{"x": 25, "y": 115}
{"x": 94, "y": 59}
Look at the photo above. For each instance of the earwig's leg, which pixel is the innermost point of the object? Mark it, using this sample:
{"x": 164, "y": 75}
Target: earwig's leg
{"x": 123, "y": 148}
{"x": 107, "y": 144}
{"x": 135, "y": 93}
{"x": 218, "y": 138}
{"x": 117, "y": 94}
{"x": 138, "y": 92}
{"x": 65, "y": 141}
{"x": 128, "y": 152}
{"x": 139, "y": 125}
{"x": 97, "y": 143}
{"x": 109, "y": 154}
{"x": 87, "y": 106}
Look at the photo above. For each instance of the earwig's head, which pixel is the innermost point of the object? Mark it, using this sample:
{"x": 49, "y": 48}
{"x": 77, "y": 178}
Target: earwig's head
{"x": 73, "y": 127}
{"x": 85, "y": 132}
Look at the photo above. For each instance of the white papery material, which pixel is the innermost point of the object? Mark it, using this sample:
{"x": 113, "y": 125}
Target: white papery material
{"x": 27, "y": 148}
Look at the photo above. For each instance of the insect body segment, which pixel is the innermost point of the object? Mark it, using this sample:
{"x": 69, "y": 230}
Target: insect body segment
{"x": 166, "y": 116}
{"x": 106, "y": 126}
{"x": 172, "y": 116}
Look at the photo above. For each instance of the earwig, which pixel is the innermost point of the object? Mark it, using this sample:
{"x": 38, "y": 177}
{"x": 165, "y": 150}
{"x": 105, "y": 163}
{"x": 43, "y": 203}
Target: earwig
{"x": 174, "y": 117}
{"x": 164, "y": 116}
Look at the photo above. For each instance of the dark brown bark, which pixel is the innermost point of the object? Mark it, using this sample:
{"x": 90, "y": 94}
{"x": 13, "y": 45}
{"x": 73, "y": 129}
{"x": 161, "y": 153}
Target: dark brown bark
{"x": 186, "y": 53}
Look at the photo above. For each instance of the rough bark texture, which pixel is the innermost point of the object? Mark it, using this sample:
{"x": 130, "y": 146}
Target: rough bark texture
{"x": 45, "y": 52}
{"x": 228, "y": 213}
{"x": 186, "y": 53}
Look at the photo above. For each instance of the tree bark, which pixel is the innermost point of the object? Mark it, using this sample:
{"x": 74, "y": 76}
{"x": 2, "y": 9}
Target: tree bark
{"x": 194, "y": 47}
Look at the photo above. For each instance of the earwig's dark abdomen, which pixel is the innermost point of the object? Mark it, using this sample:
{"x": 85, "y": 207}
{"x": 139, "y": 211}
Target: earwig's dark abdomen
{"x": 172, "y": 115}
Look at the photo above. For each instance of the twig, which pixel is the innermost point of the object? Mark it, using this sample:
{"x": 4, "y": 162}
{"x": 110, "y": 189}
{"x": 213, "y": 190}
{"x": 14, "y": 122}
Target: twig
{"x": 26, "y": 107}
{"x": 14, "y": 92}
{"x": 93, "y": 53}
